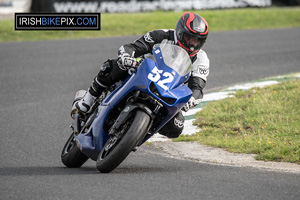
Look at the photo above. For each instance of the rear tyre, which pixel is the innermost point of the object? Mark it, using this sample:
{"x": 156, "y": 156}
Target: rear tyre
{"x": 116, "y": 149}
{"x": 71, "y": 155}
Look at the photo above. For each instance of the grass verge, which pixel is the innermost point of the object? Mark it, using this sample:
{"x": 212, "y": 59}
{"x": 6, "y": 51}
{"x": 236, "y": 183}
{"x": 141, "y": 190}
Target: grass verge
{"x": 140, "y": 23}
{"x": 262, "y": 121}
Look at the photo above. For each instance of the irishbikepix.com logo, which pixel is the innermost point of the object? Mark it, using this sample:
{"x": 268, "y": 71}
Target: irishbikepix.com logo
{"x": 57, "y": 21}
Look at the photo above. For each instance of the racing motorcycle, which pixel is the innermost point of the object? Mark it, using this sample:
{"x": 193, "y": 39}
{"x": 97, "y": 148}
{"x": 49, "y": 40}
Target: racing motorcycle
{"x": 124, "y": 117}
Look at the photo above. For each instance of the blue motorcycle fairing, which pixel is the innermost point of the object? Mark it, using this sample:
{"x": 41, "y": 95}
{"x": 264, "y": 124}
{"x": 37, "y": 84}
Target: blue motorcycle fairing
{"x": 94, "y": 139}
{"x": 92, "y": 142}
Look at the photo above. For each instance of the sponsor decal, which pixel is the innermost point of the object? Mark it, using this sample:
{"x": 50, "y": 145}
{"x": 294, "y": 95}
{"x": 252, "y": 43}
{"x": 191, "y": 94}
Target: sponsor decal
{"x": 121, "y": 50}
{"x": 178, "y": 123}
{"x": 148, "y": 38}
{"x": 57, "y": 21}
{"x": 203, "y": 71}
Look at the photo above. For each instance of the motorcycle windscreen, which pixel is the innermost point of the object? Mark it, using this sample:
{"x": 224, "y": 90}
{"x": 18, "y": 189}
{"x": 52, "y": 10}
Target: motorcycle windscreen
{"x": 172, "y": 70}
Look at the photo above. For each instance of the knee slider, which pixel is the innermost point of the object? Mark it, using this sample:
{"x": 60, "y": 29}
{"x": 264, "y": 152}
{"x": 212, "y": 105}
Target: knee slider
{"x": 110, "y": 73}
{"x": 105, "y": 74}
{"x": 105, "y": 69}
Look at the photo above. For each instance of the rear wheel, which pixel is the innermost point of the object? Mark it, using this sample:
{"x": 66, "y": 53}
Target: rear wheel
{"x": 71, "y": 155}
{"x": 117, "y": 148}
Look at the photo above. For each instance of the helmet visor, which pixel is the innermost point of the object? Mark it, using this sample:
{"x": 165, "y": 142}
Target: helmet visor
{"x": 192, "y": 42}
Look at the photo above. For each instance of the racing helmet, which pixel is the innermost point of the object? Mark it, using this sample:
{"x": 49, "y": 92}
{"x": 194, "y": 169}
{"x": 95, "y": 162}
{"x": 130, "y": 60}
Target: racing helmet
{"x": 191, "y": 32}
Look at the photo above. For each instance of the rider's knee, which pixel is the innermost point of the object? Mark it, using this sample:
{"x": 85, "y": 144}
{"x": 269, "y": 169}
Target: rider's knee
{"x": 110, "y": 73}
{"x": 174, "y": 127}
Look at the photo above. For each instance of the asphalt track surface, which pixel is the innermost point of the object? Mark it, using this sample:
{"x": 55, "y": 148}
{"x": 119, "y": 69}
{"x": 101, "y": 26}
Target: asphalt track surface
{"x": 38, "y": 82}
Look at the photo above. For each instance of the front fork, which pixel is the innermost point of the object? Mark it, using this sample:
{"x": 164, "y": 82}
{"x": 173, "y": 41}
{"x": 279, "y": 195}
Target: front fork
{"x": 76, "y": 126}
{"x": 128, "y": 111}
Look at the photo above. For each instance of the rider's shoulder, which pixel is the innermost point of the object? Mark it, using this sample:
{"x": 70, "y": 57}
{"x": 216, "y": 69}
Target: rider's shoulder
{"x": 202, "y": 53}
{"x": 156, "y": 36}
{"x": 161, "y": 32}
{"x": 202, "y": 56}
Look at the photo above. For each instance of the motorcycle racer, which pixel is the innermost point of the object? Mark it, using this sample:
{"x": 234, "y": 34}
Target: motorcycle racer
{"x": 190, "y": 33}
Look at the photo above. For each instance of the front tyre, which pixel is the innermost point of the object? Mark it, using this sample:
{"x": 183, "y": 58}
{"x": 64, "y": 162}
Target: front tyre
{"x": 116, "y": 149}
{"x": 71, "y": 155}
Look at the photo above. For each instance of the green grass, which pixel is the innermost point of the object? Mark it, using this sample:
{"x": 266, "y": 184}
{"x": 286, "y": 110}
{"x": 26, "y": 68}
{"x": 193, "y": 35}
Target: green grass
{"x": 140, "y": 23}
{"x": 262, "y": 121}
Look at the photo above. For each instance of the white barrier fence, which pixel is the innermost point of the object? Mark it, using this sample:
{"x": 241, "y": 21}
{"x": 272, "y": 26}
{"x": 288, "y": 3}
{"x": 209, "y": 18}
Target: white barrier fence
{"x": 144, "y": 5}
{"x": 117, "y": 6}
{"x": 11, "y": 6}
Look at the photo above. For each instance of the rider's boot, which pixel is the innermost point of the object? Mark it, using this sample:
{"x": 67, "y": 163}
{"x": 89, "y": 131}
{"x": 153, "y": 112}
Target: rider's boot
{"x": 82, "y": 102}
{"x": 86, "y": 102}
{"x": 85, "y": 99}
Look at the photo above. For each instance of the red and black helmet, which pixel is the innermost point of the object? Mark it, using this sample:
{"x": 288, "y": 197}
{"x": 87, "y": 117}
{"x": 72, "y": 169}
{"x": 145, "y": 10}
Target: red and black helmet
{"x": 191, "y": 32}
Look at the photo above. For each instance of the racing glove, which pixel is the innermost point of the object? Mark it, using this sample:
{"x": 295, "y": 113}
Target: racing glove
{"x": 191, "y": 103}
{"x": 126, "y": 62}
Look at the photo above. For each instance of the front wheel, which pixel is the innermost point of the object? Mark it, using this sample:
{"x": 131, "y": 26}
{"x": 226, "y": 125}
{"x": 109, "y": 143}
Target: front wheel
{"x": 71, "y": 155}
{"x": 116, "y": 149}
